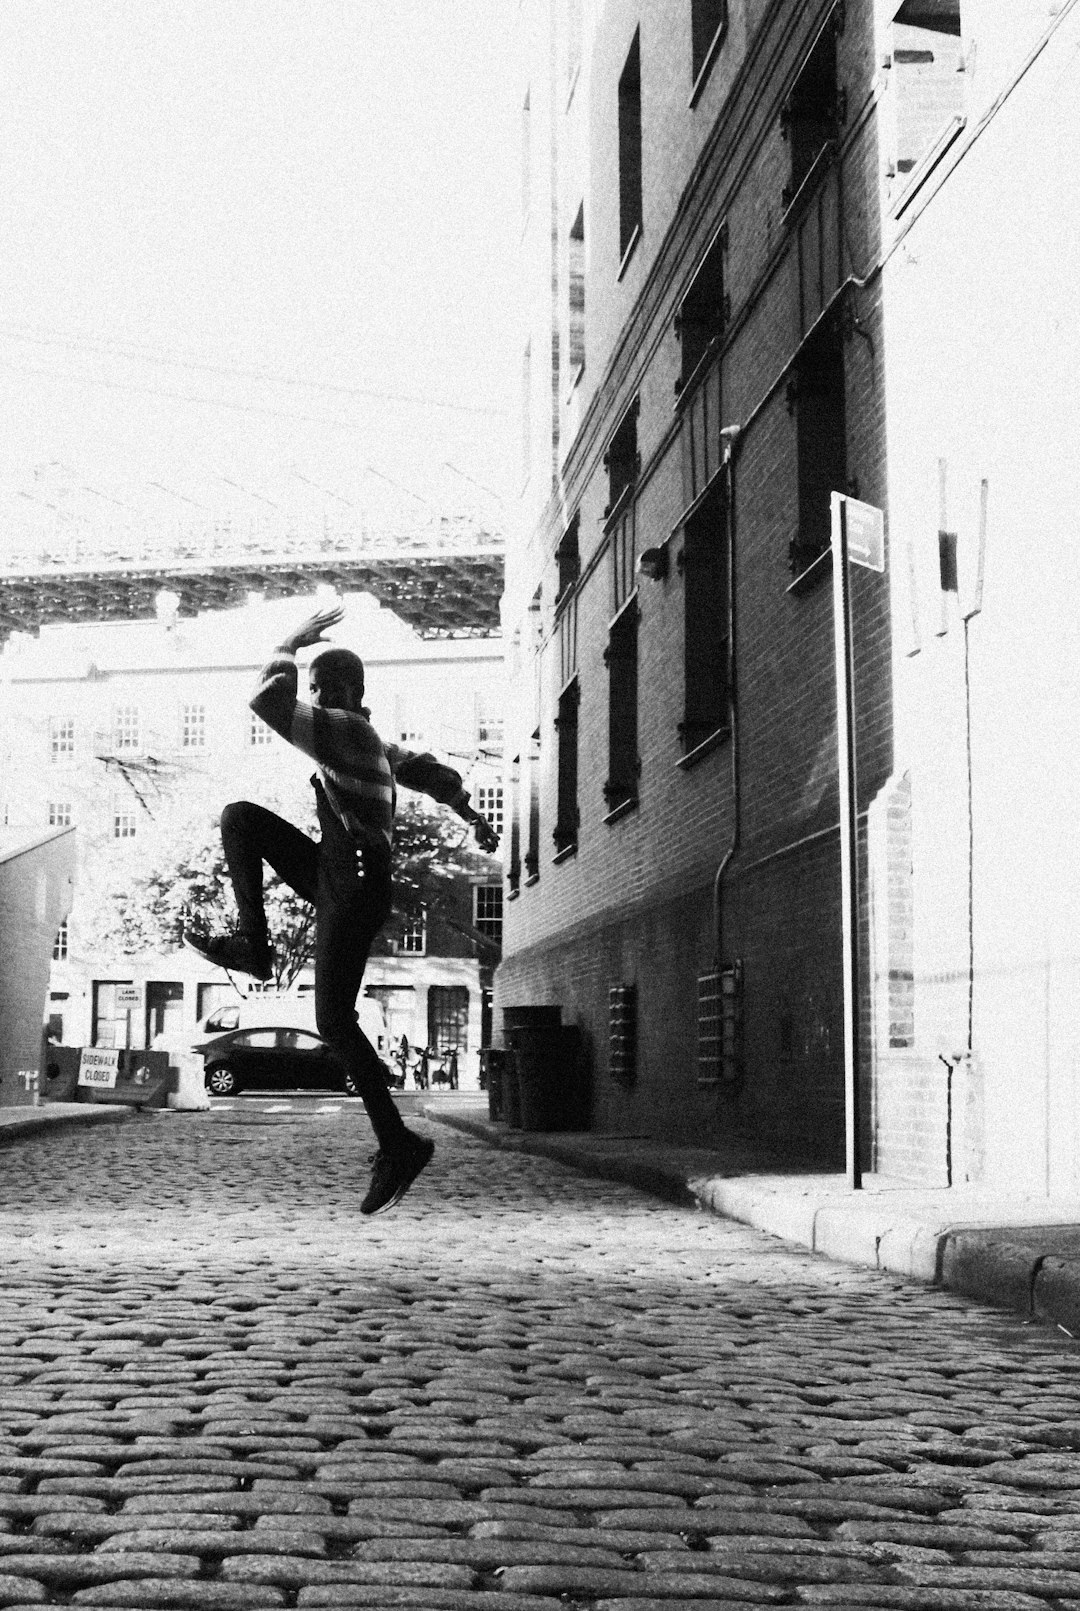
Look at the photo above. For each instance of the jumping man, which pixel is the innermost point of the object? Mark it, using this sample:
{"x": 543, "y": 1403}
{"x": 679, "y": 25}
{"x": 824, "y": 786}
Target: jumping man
{"x": 345, "y": 874}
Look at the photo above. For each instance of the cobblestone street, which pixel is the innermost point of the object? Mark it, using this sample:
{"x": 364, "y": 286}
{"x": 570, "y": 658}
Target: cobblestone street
{"x": 221, "y": 1387}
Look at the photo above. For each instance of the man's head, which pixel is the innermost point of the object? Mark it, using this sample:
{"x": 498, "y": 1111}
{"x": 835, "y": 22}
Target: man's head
{"x": 336, "y": 680}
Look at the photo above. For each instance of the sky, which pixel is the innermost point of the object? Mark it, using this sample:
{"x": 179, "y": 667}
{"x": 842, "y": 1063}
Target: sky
{"x": 253, "y": 259}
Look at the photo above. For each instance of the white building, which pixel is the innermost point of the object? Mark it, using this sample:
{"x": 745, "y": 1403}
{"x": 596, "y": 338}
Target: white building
{"x": 137, "y": 734}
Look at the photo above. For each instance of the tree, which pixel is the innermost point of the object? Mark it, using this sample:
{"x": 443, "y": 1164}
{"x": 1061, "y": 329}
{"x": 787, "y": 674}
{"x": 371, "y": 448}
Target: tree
{"x": 433, "y": 855}
{"x": 191, "y": 883}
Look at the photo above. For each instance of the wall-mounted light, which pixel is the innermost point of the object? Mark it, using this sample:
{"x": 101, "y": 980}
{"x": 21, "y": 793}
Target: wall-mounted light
{"x": 654, "y": 563}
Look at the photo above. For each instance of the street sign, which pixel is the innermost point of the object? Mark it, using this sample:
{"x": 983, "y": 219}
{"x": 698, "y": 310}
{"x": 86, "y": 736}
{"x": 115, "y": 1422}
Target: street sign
{"x": 865, "y": 533}
{"x": 128, "y": 995}
{"x": 99, "y": 1065}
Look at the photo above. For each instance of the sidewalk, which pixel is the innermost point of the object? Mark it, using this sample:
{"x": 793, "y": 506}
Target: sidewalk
{"x": 1020, "y": 1253}
{"x": 25, "y": 1121}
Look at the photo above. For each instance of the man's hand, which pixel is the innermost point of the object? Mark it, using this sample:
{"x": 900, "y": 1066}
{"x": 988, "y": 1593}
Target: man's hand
{"x": 311, "y": 631}
{"x": 486, "y": 837}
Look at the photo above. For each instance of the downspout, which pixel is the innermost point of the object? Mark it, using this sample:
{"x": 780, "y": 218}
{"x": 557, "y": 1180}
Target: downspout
{"x": 731, "y": 437}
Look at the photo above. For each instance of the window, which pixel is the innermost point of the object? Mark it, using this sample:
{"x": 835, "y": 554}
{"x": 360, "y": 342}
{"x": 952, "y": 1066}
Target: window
{"x": 59, "y": 814}
{"x": 448, "y": 1018}
{"x": 568, "y": 557}
{"x": 61, "y": 736}
{"x": 526, "y": 412}
{"x": 814, "y": 110}
{"x": 621, "y": 655}
{"x": 488, "y": 911}
{"x": 703, "y": 312}
{"x": 414, "y": 934}
{"x": 708, "y": 19}
{"x": 208, "y": 998}
{"x": 706, "y": 604}
{"x": 489, "y": 725}
{"x": 258, "y": 731}
{"x": 927, "y": 79}
{"x": 532, "y": 853}
{"x": 126, "y": 727}
{"x": 193, "y": 727}
{"x": 489, "y": 803}
{"x": 513, "y": 871}
{"x": 621, "y": 459}
{"x": 816, "y": 396}
{"x": 576, "y": 286}
{"x": 60, "y": 944}
{"x": 112, "y": 1012}
{"x": 630, "y": 151}
{"x": 123, "y": 824}
{"x": 567, "y": 817}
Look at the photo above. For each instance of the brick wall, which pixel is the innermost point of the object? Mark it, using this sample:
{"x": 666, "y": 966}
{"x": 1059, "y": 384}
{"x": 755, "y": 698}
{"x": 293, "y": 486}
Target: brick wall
{"x": 634, "y": 904}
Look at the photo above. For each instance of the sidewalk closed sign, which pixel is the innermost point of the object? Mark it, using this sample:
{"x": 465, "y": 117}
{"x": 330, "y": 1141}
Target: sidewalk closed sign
{"x": 98, "y": 1065}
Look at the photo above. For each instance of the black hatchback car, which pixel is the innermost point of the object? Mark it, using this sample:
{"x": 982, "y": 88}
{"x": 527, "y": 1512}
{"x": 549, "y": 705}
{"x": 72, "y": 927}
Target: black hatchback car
{"x": 276, "y": 1058}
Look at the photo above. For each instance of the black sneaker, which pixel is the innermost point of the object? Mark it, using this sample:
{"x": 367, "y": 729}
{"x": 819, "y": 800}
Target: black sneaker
{"x": 395, "y": 1172}
{"x": 235, "y": 952}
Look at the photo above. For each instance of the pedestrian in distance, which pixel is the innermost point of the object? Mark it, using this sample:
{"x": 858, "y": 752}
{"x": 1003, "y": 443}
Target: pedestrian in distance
{"x": 345, "y": 874}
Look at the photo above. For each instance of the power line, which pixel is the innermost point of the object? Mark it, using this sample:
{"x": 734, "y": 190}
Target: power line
{"x": 133, "y": 352}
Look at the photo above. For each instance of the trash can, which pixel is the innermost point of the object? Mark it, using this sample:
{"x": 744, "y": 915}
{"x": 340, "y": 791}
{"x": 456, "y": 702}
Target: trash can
{"x": 518, "y": 1022}
{"x": 511, "y": 1092}
{"x": 541, "y": 1076}
{"x": 492, "y": 1073}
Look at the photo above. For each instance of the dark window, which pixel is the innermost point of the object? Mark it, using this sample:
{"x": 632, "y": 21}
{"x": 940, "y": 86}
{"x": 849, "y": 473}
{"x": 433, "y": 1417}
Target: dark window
{"x": 927, "y": 77}
{"x": 707, "y": 618}
{"x": 707, "y": 21}
{"x": 621, "y": 459}
{"x": 532, "y": 854}
{"x": 703, "y": 311}
{"x": 488, "y": 911}
{"x": 568, "y": 557}
{"x": 576, "y": 283}
{"x": 448, "y": 1018}
{"x": 817, "y": 397}
{"x": 813, "y": 111}
{"x": 622, "y": 663}
{"x": 630, "y": 148}
{"x": 513, "y": 871}
{"x": 60, "y": 943}
{"x": 567, "y": 815}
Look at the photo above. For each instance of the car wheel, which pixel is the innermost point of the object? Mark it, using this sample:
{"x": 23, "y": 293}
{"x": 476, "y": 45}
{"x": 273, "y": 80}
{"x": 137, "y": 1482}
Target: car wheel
{"x": 221, "y": 1081}
{"x": 349, "y": 1085}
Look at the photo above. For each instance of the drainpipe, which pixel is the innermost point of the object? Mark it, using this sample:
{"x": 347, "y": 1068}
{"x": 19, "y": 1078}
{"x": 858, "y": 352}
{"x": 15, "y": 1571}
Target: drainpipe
{"x": 730, "y": 436}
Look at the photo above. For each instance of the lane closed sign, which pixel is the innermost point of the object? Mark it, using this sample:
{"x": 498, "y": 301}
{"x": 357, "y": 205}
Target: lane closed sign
{"x": 99, "y": 1065}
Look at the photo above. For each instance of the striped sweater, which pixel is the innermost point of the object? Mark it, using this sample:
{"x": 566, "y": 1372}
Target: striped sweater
{"x": 359, "y": 773}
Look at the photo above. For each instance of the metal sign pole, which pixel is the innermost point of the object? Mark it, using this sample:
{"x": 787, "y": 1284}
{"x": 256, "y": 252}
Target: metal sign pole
{"x": 849, "y": 841}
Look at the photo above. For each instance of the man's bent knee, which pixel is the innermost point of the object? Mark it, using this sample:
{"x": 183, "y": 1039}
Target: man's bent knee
{"x": 235, "y": 814}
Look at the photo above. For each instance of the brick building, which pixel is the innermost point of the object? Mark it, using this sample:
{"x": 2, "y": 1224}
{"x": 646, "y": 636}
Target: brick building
{"x": 717, "y": 200}
{"x": 136, "y": 735}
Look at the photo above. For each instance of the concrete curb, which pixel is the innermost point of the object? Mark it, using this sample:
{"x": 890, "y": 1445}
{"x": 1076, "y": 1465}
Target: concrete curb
{"x": 1032, "y": 1269}
{"x": 17, "y": 1123}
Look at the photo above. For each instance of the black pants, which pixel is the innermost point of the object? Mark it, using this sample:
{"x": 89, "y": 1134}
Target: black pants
{"x": 349, "y": 886}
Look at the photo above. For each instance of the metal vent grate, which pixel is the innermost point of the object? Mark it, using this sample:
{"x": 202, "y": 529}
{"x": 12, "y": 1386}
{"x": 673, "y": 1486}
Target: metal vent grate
{"x": 720, "y": 1026}
{"x": 622, "y": 1025}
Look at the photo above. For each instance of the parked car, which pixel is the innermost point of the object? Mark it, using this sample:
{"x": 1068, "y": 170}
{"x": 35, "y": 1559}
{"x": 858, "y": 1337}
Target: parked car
{"x": 288, "y": 1010}
{"x": 276, "y": 1057}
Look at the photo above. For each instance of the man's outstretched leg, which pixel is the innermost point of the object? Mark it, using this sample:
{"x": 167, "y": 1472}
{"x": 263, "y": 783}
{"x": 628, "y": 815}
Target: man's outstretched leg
{"x": 250, "y": 836}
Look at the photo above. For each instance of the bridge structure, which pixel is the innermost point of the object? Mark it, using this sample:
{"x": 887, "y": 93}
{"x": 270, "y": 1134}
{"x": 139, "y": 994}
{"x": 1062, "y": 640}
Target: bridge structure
{"x": 442, "y": 574}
